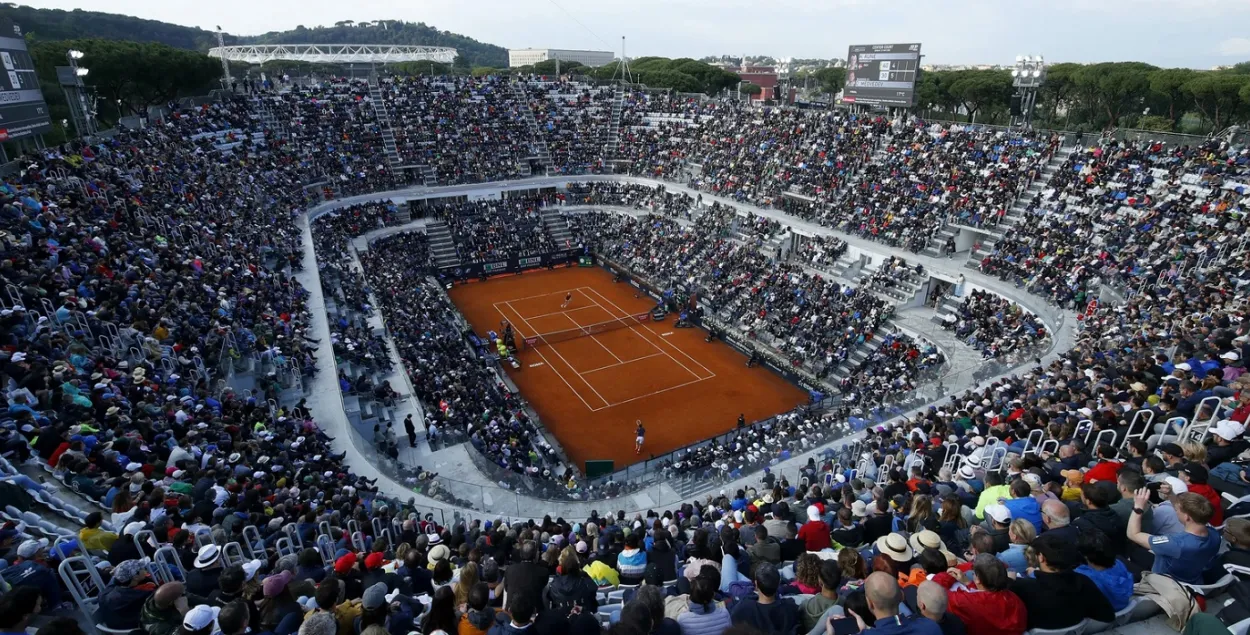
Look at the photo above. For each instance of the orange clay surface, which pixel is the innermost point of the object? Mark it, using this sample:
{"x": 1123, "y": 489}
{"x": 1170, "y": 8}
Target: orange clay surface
{"x": 589, "y": 391}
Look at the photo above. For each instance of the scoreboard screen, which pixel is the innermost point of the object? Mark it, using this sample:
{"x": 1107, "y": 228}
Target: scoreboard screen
{"x": 882, "y": 74}
{"x": 23, "y": 111}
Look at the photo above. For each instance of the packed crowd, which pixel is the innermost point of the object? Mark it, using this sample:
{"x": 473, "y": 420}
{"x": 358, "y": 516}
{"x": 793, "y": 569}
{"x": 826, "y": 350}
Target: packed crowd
{"x": 497, "y": 229}
{"x": 328, "y": 134}
{"x": 898, "y": 365}
{"x": 573, "y": 119}
{"x": 128, "y": 286}
{"x": 812, "y": 320}
{"x": 464, "y": 399}
{"x": 928, "y": 175}
{"x": 995, "y": 325}
{"x": 467, "y": 129}
{"x": 1127, "y": 214}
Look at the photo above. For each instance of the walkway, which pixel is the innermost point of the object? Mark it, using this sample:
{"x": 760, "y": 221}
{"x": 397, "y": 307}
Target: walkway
{"x": 453, "y": 463}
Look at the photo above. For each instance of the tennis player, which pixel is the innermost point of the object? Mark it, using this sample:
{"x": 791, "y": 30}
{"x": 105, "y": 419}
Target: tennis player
{"x": 568, "y": 299}
{"x": 639, "y": 433}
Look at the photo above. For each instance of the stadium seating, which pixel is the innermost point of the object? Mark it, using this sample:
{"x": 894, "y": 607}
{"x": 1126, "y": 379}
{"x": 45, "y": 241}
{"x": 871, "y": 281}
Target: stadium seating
{"x": 157, "y": 349}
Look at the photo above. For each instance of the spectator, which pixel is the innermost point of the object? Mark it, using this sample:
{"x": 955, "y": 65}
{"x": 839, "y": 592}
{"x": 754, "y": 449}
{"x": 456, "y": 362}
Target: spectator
{"x": 1022, "y": 535}
{"x": 932, "y": 603}
{"x": 767, "y": 612}
{"x": 121, "y": 604}
{"x": 884, "y": 598}
{"x": 1183, "y": 555}
{"x": 993, "y": 609}
{"x": 814, "y": 607}
{"x": 1112, "y": 577}
{"x": 815, "y": 532}
{"x": 1195, "y": 476}
{"x": 704, "y": 615}
{"x": 162, "y": 612}
{"x": 571, "y": 587}
{"x": 1057, "y": 596}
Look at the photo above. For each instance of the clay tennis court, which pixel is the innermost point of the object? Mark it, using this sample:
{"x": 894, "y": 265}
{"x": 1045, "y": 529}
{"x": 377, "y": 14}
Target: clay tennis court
{"x": 589, "y": 390}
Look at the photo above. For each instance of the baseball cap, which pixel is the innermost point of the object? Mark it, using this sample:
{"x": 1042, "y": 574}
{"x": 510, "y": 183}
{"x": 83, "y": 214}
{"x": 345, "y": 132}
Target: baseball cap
{"x": 199, "y": 617}
{"x": 1178, "y": 486}
{"x": 999, "y": 513}
{"x": 374, "y": 597}
{"x": 31, "y": 548}
{"x": 1227, "y": 429}
{"x": 1197, "y": 473}
{"x": 1171, "y": 448}
{"x": 374, "y": 560}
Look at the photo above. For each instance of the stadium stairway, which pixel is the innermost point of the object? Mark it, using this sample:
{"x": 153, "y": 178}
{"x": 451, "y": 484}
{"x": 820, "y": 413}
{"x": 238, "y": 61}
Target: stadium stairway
{"x": 938, "y": 243}
{"x": 442, "y": 246}
{"x": 907, "y": 285}
{"x": 1016, "y": 214}
{"x": 541, "y": 151}
{"x": 384, "y": 118}
{"x": 557, "y": 226}
{"x": 612, "y": 132}
{"x": 948, "y": 307}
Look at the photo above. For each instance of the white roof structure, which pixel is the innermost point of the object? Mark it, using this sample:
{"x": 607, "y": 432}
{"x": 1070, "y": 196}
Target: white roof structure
{"x": 334, "y": 53}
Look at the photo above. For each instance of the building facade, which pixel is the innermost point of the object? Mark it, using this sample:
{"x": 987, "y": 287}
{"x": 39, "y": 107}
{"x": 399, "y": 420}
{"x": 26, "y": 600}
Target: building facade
{"x": 527, "y": 57}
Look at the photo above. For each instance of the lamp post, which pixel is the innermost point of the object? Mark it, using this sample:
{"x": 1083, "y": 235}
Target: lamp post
{"x": 81, "y": 112}
{"x": 1027, "y": 77}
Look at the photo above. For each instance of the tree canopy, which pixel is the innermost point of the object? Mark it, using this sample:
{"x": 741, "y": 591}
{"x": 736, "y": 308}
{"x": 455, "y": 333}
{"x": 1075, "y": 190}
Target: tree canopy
{"x": 127, "y": 77}
{"x": 389, "y": 32}
{"x": 683, "y": 74}
{"x": 1098, "y": 96}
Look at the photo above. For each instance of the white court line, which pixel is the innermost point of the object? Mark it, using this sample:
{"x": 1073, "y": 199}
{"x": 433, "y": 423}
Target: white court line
{"x": 596, "y": 340}
{"x": 674, "y": 346}
{"x": 564, "y": 312}
{"x": 628, "y": 361}
{"x": 541, "y": 295}
{"x": 548, "y": 362}
{"x": 647, "y": 327}
{"x": 651, "y": 394}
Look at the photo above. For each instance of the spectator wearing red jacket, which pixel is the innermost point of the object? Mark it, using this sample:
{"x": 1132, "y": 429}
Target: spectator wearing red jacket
{"x": 993, "y": 610}
{"x": 1108, "y": 465}
{"x": 1195, "y": 476}
{"x": 815, "y": 532}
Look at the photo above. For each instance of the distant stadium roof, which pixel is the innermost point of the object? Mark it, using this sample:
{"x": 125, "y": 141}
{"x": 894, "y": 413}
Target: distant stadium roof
{"x": 334, "y": 53}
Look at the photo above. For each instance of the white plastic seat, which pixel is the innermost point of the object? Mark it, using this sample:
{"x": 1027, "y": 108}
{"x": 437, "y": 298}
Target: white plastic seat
{"x": 1210, "y": 590}
{"x": 1121, "y": 618}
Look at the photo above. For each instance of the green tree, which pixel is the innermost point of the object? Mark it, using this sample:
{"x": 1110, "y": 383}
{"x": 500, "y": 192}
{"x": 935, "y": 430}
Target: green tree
{"x": 831, "y": 79}
{"x": 1156, "y": 123}
{"x": 1169, "y": 85}
{"x": 1057, "y": 91}
{"x": 1115, "y": 88}
{"x": 1217, "y": 95}
{"x": 979, "y": 91}
{"x": 460, "y": 65}
{"x": 751, "y": 89}
{"x": 128, "y": 77}
{"x": 486, "y": 71}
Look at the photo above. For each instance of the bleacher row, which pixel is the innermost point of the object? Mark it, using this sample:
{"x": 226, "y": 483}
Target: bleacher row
{"x": 133, "y": 355}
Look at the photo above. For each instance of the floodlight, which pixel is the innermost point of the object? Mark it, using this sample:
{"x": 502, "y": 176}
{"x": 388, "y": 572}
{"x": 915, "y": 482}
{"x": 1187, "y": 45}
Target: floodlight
{"x": 1015, "y": 72}
{"x": 75, "y": 54}
{"x": 82, "y": 72}
{"x": 1019, "y": 58}
{"x": 1037, "y": 73}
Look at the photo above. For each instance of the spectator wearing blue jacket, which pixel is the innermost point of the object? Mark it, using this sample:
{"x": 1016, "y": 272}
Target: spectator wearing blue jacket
{"x": 31, "y": 569}
{"x": 1112, "y": 577}
{"x": 631, "y": 563}
{"x": 1021, "y": 534}
{"x": 1023, "y": 505}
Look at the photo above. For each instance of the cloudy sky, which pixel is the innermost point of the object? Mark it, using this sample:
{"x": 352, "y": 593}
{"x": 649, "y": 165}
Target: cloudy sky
{"x": 1193, "y": 33}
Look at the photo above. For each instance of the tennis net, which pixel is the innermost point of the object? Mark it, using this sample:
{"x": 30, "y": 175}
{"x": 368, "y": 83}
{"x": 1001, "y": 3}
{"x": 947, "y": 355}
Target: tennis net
{"x": 586, "y": 331}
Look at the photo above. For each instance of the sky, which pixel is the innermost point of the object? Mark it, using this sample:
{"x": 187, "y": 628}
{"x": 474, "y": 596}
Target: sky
{"x": 1191, "y": 33}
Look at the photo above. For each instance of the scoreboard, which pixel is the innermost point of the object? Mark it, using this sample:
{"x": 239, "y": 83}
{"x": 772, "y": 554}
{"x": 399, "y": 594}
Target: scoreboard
{"x": 23, "y": 112}
{"x": 882, "y": 74}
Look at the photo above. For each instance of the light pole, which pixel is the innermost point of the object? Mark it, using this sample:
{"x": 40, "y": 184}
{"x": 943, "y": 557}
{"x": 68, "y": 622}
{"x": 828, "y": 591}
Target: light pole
{"x": 81, "y": 112}
{"x": 1027, "y": 77}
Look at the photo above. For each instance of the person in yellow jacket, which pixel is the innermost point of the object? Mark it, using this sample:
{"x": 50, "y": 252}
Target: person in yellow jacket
{"x": 92, "y": 538}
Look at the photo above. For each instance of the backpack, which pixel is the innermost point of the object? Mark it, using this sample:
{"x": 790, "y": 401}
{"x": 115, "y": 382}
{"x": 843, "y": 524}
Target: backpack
{"x": 1239, "y": 608}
